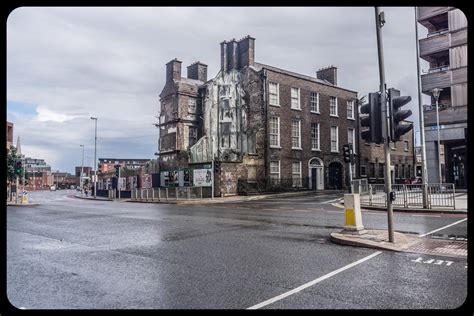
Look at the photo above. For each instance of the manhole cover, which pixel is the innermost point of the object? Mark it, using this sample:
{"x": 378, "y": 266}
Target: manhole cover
{"x": 454, "y": 248}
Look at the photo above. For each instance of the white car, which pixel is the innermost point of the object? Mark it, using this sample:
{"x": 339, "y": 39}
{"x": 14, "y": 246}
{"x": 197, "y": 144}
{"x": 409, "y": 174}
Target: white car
{"x": 52, "y": 188}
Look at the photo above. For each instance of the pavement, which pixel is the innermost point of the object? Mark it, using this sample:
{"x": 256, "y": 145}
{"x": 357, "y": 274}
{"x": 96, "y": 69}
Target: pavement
{"x": 377, "y": 239}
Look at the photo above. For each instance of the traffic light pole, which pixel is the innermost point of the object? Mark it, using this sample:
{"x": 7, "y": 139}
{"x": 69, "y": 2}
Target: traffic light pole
{"x": 379, "y": 21}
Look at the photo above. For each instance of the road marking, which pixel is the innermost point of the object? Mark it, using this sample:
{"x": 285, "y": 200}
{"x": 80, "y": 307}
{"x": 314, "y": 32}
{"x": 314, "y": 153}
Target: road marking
{"x": 306, "y": 285}
{"x": 433, "y": 261}
{"x": 434, "y": 231}
{"x": 418, "y": 215}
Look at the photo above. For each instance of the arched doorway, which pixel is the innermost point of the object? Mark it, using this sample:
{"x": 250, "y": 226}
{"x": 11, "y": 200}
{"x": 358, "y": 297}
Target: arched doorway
{"x": 316, "y": 174}
{"x": 335, "y": 176}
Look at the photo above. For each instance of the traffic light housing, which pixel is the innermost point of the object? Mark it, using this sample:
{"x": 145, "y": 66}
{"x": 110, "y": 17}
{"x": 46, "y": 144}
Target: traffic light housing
{"x": 18, "y": 167}
{"x": 217, "y": 166}
{"x": 397, "y": 116}
{"x": 347, "y": 152}
{"x": 373, "y": 120}
{"x": 117, "y": 170}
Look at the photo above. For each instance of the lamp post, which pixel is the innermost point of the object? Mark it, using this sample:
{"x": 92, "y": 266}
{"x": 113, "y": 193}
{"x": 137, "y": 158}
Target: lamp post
{"x": 95, "y": 157}
{"x": 82, "y": 172}
{"x": 436, "y": 93}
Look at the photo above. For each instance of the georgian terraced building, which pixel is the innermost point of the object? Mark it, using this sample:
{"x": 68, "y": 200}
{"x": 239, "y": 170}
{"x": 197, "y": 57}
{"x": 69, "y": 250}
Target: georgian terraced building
{"x": 268, "y": 128}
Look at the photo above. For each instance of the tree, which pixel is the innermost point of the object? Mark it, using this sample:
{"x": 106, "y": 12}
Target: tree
{"x": 12, "y": 157}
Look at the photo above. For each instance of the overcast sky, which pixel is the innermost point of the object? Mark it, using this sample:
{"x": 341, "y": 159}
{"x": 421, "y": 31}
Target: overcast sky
{"x": 67, "y": 64}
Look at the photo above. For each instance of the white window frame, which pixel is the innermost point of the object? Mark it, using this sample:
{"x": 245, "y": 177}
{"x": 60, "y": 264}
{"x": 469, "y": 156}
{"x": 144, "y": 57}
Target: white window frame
{"x": 278, "y": 132}
{"x": 351, "y": 104}
{"x": 333, "y": 106}
{"x": 299, "y": 135}
{"x": 296, "y": 175}
{"x": 277, "y": 94}
{"x": 298, "y": 99}
{"x": 318, "y": 139}
{"x": 272, "y": 172}
{"x": 351, "y": 140}
{"x": 337, "y": 138}
{"x": 314, "y": 102}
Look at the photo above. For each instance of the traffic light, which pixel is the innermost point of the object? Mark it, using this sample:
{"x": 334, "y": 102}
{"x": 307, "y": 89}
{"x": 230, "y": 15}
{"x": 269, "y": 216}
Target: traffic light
{"x": 347, "y": 151}
{"x": 117, "y": 170}
{"x": 373, "y": 120}
{"x": 18, "y": 167}
{"x": 397, "y": 128}
{"x": 217, "y": 166}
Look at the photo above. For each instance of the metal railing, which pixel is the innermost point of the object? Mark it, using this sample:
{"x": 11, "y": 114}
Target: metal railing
{"x": 408, "y": 195}
{"x": 168, "y": 194}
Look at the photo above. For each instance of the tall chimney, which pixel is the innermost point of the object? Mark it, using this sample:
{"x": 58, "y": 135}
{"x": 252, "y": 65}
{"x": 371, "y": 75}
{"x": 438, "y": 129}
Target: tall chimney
{"x": 173, "y": 70}
{"x": 246, "y": 50}
{"x": 232, "y": 52}
{"x": 328, "y": 73}
{"x": 224, "y": 56}
{"x": 197, "y": 71}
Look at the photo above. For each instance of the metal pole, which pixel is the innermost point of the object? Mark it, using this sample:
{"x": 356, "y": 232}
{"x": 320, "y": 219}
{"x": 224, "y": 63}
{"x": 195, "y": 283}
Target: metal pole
{"x": 424, "y": 172}
{"x": 384, "y": 105}
{"x": 439, "y": 144}
{"x": 119, "y": 185}
{"x": 82, "y": 172}
{"x": 95, "y": 158}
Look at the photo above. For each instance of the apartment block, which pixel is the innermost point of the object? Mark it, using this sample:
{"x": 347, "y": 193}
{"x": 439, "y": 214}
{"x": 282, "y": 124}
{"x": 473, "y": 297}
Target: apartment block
{"x": 445, "y": 48}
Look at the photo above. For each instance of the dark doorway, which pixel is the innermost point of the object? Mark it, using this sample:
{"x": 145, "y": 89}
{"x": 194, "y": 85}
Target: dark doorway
{"x": 335, "y": 176}
{"x": 313, "y": 179}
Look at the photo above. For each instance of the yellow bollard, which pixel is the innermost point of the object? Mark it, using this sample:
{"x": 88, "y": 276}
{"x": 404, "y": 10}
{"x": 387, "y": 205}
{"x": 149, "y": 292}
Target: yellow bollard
{"x": 353, "y": 215}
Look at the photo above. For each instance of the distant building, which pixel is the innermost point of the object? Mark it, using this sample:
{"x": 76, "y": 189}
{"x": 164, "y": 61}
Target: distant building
{"x": 9, "y": 135}
{"x": 108, "y": 164}
{"x": 87, "y": 171}
{"x": 402, "y": 157}
{"x": 445, "y": 48}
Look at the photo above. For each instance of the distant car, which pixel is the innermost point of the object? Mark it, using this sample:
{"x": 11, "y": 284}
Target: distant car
{"x": 72, "y": 187}
{"x": 78, "y": 188}
{"x": 52, "y": 188}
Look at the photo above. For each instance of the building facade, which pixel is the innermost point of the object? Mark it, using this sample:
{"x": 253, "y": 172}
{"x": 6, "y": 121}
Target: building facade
{"x": 108, "y": 164}
{"x": 402, "y": 160}
{"x": 9, "y": 135}
{"x": 445, "y": 48}
{"x": 266, "y": 128}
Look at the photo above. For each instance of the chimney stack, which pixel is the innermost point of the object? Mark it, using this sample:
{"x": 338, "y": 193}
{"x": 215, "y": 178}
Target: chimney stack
{"x": 328, "y": 73}
{"x": 197, "y": 71}
{"x": 173, "y": 70}
{"x": 237, "y": 54}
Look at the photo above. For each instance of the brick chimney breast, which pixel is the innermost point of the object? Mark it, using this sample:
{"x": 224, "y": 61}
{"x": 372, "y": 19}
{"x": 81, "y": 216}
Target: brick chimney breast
{"x": 328, "y": 73}
{"x": 246, "y": 48}
{"x": 173, "y": 70}
{"x": 197, "y": 71}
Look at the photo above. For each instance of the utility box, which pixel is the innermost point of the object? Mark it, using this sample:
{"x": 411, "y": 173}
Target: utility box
{"x": 353, "y": 215}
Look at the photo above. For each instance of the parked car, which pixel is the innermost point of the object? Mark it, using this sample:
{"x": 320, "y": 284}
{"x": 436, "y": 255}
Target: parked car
{"x": 52, "y": 188}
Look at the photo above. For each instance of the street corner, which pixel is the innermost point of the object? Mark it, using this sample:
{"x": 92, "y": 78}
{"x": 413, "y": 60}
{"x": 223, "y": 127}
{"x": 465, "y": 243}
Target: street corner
{"x": 377, "y": 239}
{"x": 29, "y": 204}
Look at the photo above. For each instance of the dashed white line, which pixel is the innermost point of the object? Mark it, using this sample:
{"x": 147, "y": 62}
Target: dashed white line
{"x": 306, "y": 285}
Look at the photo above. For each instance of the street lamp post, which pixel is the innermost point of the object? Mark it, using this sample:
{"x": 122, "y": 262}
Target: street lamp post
{"x": 95, "y": 158}
{"x": 82, "y": 172}
{"x": 436, "y": 92}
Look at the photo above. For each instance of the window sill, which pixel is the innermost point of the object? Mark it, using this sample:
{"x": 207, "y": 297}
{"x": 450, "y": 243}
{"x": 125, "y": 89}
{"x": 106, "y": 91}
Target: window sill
{"x": 315, "y": 112}
{"x": 351, "y": 118}
{"x": 312, "y": 149}
{"x": 275, "y": 105}
{"x": 275, "y": 147}
{"x": 335, "y": 152}
{"x": 332, "y": 115}
{"x": 296, "y": 148}
{"x": 296, "y": 109}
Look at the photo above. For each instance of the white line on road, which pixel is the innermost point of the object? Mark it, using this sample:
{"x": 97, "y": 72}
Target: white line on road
{"x": 424, "y": 215}
{"x": 434, "y": 231}
{"x": 306, "y": 285}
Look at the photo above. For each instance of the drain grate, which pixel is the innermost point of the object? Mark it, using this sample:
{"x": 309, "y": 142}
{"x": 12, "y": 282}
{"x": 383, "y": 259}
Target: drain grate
{"x": 442, "y": 247}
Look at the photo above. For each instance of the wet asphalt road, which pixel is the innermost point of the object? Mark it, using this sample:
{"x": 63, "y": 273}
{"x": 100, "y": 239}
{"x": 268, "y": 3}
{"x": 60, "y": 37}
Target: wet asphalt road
{"x": 69, "y": 253}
